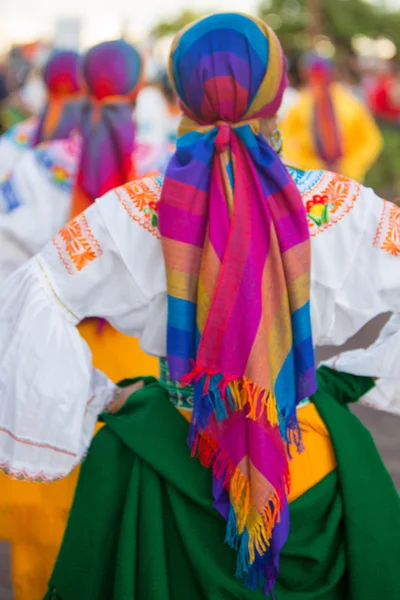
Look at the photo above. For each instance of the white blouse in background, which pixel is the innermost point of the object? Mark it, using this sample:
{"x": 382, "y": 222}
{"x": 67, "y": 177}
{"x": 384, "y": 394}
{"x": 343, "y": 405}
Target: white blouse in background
{"x": 108, "y": 263}
{"x": 15, "y": 142}
{"x": 35, "y": 200}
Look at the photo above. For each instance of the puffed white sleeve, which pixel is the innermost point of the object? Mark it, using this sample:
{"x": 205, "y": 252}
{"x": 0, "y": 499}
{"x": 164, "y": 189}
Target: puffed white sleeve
{"x": 372, "y": 287}
{"x": 35, "y": 200}
{"x": 50, "y": 394}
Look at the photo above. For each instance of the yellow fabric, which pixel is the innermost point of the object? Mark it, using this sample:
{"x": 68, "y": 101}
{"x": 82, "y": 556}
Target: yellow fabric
{"x": 33, "y": 515}
{"x": 309, "y": 467}
{"x": 362, "y": 139}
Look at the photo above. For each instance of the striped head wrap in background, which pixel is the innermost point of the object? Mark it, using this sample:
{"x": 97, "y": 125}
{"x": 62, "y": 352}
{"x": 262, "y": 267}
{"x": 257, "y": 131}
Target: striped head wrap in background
{"x": 112, "y": 74}
{"x": 328, "y": 141}
{"x": 237, "y": 252}
{"x": 62, "y": 79}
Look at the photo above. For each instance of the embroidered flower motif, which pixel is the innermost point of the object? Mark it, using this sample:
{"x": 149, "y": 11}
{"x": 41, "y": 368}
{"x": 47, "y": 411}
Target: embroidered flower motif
{"x": 59, "y": 173}
{"x": 76, "y": 245}
{"x": 318, "y": 208}
{"x": 58, "y": 162}
{"x": 388, "y": 233}
{"x": 140, "y": 200}
{"x": 328, "y": 200}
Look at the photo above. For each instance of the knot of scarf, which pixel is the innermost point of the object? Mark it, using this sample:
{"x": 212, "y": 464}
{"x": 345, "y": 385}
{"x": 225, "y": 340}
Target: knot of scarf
{"x": 236, "y": 247}
{"x": 223, "y": 137}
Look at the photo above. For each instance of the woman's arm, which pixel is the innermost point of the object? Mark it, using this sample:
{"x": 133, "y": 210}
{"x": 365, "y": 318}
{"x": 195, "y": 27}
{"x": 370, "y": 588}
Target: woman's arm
{"x": 50, "y": 394}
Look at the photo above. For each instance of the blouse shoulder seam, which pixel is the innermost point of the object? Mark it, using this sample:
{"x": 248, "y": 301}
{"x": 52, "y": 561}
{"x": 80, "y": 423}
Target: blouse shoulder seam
{"x": 56, "y": 296}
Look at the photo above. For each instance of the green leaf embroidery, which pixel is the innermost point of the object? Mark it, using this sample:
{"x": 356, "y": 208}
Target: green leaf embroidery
{"x": 325, "y": 214}
{"x": 316, "y": 220}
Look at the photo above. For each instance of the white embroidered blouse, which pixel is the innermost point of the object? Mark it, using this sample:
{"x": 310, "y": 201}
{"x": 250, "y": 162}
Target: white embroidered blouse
{"x": 108, "y": 262}
{"x": 35, "y": 200}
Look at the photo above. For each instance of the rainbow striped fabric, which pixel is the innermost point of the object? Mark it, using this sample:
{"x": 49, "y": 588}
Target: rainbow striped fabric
{"x": 327, "y": 138}
{"x": 237, "y": 252}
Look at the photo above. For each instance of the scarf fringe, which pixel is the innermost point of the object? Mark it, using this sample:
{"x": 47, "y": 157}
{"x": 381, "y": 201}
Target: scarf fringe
{"x": 249, "y": 530}
{"x": 240, "y": 392}
{"x": 250, "y": 543}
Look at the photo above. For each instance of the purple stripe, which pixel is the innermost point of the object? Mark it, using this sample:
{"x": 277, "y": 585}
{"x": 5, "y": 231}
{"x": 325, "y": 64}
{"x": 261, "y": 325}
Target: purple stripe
{"x": 178, "y": 367}
{"x": 181, "y": 226}
{"x": 292, "y": 230}
{"x": 191, "y": 171}
{"x": 306, "y": 384}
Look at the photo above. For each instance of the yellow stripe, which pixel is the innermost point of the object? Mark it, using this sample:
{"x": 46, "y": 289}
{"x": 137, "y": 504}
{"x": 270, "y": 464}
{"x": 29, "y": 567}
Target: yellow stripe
{"x": 203, "y": 306}
{"x": 269, "y": 87}
{"x": 182, "y": 285}
{"x": 299, "y": 292}
{"x": 280, "y": 339}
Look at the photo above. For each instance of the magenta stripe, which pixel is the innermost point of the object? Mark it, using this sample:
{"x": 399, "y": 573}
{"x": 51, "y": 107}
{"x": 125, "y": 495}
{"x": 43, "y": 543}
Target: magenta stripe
{"x": 181, "y": 226}
{"x": 219, "y": 221}
{"x": 243, "y": 326}
{"x": 292, "y": 230}
{"x": 185, "y": 196}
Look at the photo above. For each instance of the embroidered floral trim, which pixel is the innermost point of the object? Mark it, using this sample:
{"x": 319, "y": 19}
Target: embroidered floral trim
{"x": 140, "y": 200}
{"x": 76, "y": 245}
{"x": 328, "y": 200}
{"x": 388, "y": 233}
{"x": 60, "y": 160}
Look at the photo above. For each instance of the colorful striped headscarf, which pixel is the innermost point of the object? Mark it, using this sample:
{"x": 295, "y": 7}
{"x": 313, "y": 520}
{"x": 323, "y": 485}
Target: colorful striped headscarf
{"x": 237, "y": 252}
{"x": 61, "y": 76}
{"x": 112, "y": 73}
{"x": 327, "y": 138}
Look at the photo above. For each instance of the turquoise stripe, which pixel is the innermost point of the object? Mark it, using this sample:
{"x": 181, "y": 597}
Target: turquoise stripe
{"x": 230, "y": 174}
{"x": 301, "y": 323}
{"x": 181, "y": 314}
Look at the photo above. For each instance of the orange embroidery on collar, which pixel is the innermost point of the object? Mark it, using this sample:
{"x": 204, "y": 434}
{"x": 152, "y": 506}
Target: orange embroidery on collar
{"x": 76, "y": 245}
{"x": 140, "y": 200}
{"x": 388, "y": 233}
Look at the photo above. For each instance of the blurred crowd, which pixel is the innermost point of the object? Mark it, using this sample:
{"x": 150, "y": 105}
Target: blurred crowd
{"x": 373, "y": 83}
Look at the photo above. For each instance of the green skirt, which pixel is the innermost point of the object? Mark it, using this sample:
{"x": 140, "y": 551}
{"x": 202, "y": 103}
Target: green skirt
{"x": 142, "y": 526}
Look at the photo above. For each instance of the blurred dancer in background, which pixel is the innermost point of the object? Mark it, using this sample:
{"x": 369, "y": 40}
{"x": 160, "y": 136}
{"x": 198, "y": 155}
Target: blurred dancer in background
{"x": 46, "y": 192}
{"x": 328, "y": 128}
{"x": 62, "y": 79}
